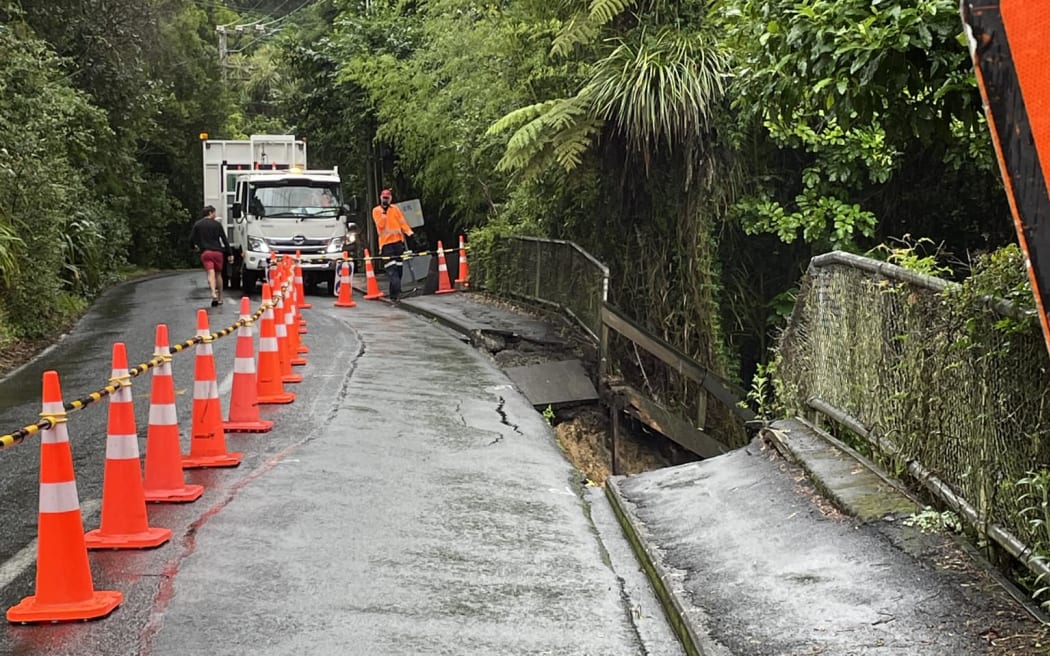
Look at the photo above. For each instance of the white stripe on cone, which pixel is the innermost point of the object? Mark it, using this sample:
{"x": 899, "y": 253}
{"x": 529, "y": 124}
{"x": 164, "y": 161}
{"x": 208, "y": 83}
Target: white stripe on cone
{"x": 122, "y": 395}
{"x": 205, "y": 389}
{"x": 58, "y": 497}
{"x": 57, "y": 435}
{"x": 122, "y": 447}
{"x": 163, "y": 415}
{"x": 244, "y": 366}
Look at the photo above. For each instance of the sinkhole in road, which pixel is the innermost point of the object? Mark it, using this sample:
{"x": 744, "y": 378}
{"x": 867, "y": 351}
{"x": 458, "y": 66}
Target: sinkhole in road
{"x": 583, "y": 431}
{"x": 584, "y": 434}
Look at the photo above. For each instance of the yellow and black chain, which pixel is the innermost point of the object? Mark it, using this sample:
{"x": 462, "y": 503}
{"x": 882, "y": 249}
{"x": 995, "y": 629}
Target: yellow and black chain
{"x": 48, "y": 421}
{"x": 376, "y": 258}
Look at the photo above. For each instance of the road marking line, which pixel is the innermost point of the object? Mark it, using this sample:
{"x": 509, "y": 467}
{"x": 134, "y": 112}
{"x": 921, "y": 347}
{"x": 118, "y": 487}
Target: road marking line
{"x": 26, "y": 557}
{"x": 226, "y": 385}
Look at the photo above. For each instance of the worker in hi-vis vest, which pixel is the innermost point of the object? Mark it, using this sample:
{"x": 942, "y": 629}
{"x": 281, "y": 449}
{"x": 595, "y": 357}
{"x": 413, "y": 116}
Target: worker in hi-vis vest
{"x": 392, "y": 230}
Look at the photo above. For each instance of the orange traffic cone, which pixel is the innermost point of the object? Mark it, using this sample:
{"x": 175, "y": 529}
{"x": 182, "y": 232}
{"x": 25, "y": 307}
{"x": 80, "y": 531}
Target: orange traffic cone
{"x": 64, "y": 589}
{"x": 124, "y": 521}
{"x": 207, "y": 437}
{"x": 290, "y": 324}
{"x": 271, "y": 387}
{"x": 164, "y": 481}
{"x": 463, "y": 279}
{"x": 372, "y": 293}
{"x": 444, "y": 286}
{"x": 299, "y": 293}
{"x": 300, "y": 304}
{"x": 244, "y": 398}
{"x": 346, "y": 293}
{"x": 295, "y": 324}
{"x": 280, "y": 320}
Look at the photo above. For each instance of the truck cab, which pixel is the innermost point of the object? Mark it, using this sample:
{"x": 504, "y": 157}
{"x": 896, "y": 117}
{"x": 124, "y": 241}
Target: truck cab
{"x": 288, "y": 212}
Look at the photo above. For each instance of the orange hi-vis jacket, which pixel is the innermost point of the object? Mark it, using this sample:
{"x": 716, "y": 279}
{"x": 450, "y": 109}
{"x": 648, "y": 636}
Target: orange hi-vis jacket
{"x": 390, "y": 226}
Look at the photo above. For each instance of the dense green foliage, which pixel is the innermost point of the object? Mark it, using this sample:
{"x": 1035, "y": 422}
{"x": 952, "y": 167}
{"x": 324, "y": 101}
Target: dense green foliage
{"x": 871, "y": 122}
{"x": 99, "y": 111}
{"x": 704, "y": 149}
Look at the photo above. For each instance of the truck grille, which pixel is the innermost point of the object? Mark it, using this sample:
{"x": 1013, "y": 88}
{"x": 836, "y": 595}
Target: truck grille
{"x": 304, "y": 246}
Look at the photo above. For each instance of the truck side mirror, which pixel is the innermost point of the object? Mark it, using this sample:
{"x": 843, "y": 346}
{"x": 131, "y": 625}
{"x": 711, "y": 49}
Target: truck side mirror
{"x": 235, "y": 210}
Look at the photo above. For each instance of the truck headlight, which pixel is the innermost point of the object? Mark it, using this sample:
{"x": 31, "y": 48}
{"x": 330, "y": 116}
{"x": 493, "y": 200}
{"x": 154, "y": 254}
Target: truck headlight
{"x": 258, "y": 245}
{"x": 335, "y": 245}
{"x": 351, "y": 238}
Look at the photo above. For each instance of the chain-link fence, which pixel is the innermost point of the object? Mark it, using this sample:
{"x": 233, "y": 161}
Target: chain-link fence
{"x": 960, "y": 386}
{"x": 551, "y": 272}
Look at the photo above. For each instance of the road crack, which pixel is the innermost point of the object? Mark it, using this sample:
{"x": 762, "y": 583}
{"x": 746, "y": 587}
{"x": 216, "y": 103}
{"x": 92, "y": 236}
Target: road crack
{"x": 459, "y": 412}
{"x": 344, "y": 388}
{"x": 503, "y": 419}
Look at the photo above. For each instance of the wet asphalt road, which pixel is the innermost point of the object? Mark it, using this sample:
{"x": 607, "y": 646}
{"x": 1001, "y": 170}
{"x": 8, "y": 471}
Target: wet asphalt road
{"x": 410, "y": 501}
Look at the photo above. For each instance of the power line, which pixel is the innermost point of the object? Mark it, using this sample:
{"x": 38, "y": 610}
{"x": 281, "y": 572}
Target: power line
{"x": 245, "y": 46}
{"x": 279, "y": 7}
{"x": 260, "y": 27}
{"x": 285, "y": 17}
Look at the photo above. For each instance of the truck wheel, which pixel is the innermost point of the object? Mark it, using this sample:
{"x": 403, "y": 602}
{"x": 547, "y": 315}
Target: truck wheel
{"x": 248, "y": 278}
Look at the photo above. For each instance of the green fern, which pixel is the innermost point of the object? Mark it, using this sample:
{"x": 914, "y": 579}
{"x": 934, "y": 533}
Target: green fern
{"x": 579, "y": 29}
{"x": 520, "y": 116}
{"x": 603, "y": 11}
{"x": 560, "y": 134}
{"x": 584, "y": 27}
{"x": 571, "y": 143}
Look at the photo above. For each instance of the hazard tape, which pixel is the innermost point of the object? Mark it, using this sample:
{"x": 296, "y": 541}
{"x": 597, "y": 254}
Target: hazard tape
{"x": 49, "y": 421}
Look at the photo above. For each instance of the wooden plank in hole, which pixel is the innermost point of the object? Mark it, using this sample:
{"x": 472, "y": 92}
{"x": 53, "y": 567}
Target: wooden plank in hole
{"x": 664, "y": 421}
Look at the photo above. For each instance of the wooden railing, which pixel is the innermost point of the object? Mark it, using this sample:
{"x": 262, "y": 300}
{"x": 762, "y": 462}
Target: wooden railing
{"x": 689, "y": 433}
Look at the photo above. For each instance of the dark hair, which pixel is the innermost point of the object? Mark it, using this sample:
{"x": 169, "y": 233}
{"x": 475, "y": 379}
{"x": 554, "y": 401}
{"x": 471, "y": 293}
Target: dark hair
{"x": 208, "y": 209}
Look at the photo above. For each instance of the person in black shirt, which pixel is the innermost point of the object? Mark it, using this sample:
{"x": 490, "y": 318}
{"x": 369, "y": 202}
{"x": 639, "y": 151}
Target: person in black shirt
{"x": 209, "y": 238}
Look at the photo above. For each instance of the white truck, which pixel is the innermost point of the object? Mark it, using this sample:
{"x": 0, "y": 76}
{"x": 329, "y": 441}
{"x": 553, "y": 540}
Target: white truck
{"x": 272, "y": 203}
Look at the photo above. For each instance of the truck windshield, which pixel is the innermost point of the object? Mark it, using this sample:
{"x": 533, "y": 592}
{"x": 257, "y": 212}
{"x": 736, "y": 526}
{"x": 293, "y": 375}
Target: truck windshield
{"x": 296, "y": 199}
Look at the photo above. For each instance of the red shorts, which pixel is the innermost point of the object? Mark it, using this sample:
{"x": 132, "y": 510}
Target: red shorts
{"x": 212, "y": 260}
